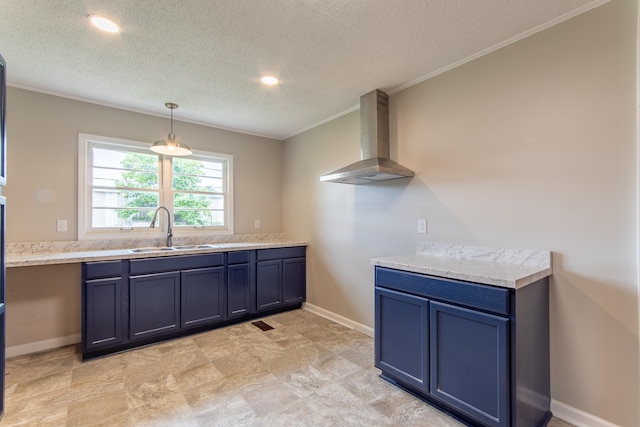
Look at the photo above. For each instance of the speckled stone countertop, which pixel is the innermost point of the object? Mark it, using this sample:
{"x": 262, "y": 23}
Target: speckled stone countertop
{"x": 507, "y": 268}
{"x": 48, "y": 253}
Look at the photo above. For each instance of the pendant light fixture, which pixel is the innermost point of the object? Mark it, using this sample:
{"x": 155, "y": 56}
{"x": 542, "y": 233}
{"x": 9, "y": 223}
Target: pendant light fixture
{"x": 171, "y": 146}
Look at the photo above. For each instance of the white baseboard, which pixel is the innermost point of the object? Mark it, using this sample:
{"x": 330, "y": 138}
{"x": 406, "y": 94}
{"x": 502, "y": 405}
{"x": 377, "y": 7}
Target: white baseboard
{"x": 576, "y": 416}
{"x": 34, "y": 347}
{"x": 338, "y": 319}
{"x": 560, "y": 410}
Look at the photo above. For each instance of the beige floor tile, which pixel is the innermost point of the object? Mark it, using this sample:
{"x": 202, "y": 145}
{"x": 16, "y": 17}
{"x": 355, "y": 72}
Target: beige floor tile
{"x": 46, "y": 409}
{"x": 307, "y": 372}
{"x": 230, "y": 410}
{"x": 89, "y": 411}
{"x": 268, "y": 397}
{"x": 167, "y": 410}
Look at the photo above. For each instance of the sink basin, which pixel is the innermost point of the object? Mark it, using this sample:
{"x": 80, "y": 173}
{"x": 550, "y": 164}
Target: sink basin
{"x": 184, "y": 247}
{"x": 169, "y": 248}
{"x": 152, "y": 249}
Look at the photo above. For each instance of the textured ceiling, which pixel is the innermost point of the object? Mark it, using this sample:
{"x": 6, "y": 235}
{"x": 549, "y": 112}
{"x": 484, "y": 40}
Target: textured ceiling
{"x": 208, "y": 55}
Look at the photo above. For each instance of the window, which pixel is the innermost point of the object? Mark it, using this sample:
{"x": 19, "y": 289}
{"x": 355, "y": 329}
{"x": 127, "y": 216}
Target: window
{"x": 122, "y": 183}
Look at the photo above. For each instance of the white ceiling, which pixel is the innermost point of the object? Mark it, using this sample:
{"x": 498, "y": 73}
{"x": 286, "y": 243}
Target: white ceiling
{"x": 207, "y": 55}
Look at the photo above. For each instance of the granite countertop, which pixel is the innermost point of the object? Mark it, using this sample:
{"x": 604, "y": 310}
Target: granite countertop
{"x": 49, "y": 253}
{"x": 507, "y": 268}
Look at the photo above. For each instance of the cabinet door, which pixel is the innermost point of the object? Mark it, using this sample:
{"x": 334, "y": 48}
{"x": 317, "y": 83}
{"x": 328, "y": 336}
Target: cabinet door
{"x": 154, "y": 304}
{"x": 294, "y": 278}
{"x": 237, "y": 290}
{"x": 469, "y": 365}
{"x": 268, "y": 284}
{"x": 103, "y": 313}
{"x": 402, "y": 337}
{"x": 202, "y": 296}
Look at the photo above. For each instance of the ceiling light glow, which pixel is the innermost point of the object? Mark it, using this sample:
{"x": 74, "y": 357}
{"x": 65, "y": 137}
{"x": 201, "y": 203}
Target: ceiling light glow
{"x": 104, "y": 24}
{"x": 269, "y": 80}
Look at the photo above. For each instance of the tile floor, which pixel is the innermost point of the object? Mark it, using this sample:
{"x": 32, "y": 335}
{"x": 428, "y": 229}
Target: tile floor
{"x": 307, "y": 371}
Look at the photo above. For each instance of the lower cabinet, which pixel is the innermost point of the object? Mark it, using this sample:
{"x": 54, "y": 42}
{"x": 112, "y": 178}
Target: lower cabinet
{"x": 269, "y": 284}
{"x": 154, "y": 304}
{"x": 294, "y": 280}
{"x": 129, "y": 303}
{"x": 239, "y": 279}
{"x": 102, "y": 313}
{"x": 202, "y": 296}
{"x": 461, "y": 346}
{"x": 402, "y": 336}
{"x": 469, "y": 362}
{"x": 169, "y": 294}
{"x": 280, "y": 277}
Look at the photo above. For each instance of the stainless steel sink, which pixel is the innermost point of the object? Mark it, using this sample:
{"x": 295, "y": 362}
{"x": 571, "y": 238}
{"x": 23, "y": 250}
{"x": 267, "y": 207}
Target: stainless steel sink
{"x": 152, "y": 249}
{"x": 169, "y": 248}
{"x": 185, "y": 247}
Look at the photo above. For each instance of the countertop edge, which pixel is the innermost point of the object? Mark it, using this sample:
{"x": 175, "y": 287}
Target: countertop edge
{"x": 493, "y": 273}
{"x": 54, "y": 258}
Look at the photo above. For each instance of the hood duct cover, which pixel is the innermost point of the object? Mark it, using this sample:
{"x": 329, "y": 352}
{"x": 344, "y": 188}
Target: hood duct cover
{"x": 375, "y": 165}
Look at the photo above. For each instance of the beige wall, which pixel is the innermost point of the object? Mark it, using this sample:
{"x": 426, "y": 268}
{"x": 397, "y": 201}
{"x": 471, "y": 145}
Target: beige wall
{"x": 43, "y": 303}
{"x": 532, "y": 146}
{"x": 42, "y": 133}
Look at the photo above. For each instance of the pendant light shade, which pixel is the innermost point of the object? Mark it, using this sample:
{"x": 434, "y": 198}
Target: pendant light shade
{"x": 171, "y": 146}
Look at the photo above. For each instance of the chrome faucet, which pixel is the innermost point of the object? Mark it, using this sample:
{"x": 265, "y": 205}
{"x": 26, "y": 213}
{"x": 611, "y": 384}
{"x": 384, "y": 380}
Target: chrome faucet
{"x": 153, "y": 223}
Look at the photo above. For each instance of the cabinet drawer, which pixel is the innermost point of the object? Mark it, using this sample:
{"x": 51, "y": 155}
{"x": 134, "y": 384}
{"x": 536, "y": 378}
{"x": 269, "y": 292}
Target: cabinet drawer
{"x": 102, "y": 269}
{"x": 172, "y": 263}
{"x": 239, "y": 257}
{"x": 483, "y": 297}
{"x": 280, "y": 253}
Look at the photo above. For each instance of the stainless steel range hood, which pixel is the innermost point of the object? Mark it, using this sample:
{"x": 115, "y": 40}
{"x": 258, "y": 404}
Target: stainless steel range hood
{"x": 375, "y": 165}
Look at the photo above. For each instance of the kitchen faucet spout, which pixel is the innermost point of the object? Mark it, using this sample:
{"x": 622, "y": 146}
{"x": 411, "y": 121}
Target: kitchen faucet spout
{"x": 153, "y": 223}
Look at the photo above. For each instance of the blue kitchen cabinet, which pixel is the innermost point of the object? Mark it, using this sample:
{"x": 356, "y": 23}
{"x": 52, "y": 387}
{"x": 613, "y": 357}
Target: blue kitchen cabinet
{"x": 202, "y": 298}
{"x": 268, "y": 284}
{"x": 469, "y": 362}
{"x": 131, "y": 303}
{"x": 402, "y": 336}
{"x": 102, "y": 321}
{"x": 167, "y": 294}
{"x": 479, "y": 352}
{"x": 294, "y": 280}
{"x": 239, "y": 280}
{"x": 280, "y": 277}
{"x": 154, "y": 304}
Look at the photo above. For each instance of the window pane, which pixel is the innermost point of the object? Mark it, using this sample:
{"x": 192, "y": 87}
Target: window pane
{"x": 198, "y": 217}
{"x": 117, "y": 208}
{"x": 125, "y": 159}
{"x": 124, "y": 179}
{"x": 125, "y": 183}
{"x": 198, "y": 175}
{"x": 198, "y": 201}
{"x": 198, "y": 167}
{"x": 113, "y": 217}
{"x": 124, "y": 199}
{"x": 198, "y": 209}
{"x": 194, "y": 183}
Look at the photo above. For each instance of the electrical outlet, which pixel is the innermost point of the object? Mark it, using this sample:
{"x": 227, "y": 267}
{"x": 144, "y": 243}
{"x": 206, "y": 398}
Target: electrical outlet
{"x": 257, "y": 224}
{"x": 61, "y": 225}
{"x": 422, "y": 225}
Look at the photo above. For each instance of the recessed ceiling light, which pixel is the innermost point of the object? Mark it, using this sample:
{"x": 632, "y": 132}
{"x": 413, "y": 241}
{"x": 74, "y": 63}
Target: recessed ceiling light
{"x": 104, "y": 24}
{"x": 269, "y": 80}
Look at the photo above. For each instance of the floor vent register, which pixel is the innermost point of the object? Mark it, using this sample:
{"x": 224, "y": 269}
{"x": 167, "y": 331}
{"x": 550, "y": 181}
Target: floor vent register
{"x": 262, "y": 325}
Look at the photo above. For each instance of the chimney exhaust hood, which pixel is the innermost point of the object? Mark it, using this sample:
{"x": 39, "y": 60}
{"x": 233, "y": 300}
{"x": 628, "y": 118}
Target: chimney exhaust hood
{"x": 375, "y": 165}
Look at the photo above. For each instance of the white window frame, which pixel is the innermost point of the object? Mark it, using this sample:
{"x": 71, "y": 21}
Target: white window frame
{"x": 85, "y": 232}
